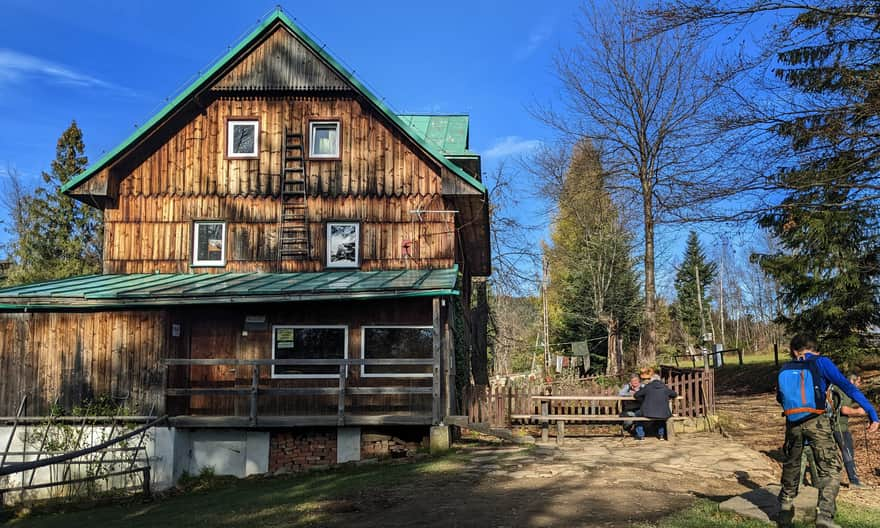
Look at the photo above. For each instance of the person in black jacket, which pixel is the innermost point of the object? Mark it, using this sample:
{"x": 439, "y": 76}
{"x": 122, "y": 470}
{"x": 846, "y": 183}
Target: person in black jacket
{"x": 654, "y": 398}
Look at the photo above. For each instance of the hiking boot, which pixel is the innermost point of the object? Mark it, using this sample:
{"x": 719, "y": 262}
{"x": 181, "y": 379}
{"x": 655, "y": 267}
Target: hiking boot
{"x": 786, "y": 515}
{"x": 856, "y": 485}
{"x": 825, "y": 522}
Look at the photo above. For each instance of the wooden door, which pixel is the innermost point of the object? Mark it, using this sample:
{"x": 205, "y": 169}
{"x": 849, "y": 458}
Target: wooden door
{"x": 214, "y": 336}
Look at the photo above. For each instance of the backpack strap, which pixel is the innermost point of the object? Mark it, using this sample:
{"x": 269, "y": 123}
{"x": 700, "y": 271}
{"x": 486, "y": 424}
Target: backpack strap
{"x": 820, "y": 387}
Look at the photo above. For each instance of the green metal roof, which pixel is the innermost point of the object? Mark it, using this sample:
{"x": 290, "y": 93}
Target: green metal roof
{"x": 163, "y": 289}
{"x": 449, "y": 133}
{"x": 276, "y": 16}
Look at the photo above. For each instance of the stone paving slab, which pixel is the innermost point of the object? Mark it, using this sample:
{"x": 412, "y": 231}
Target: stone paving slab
{"x": 762, "y": 503}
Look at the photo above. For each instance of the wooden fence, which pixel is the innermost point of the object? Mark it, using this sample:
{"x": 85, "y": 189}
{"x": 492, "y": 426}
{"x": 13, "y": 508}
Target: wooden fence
{"x": 494, "y": 405}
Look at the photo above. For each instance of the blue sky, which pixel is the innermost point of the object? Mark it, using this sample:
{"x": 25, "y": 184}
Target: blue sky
{"x": 112, "y": 65}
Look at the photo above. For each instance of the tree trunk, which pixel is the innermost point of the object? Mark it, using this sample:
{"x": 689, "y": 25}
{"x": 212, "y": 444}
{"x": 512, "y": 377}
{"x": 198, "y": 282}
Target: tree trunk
{"x": 615, "y": 351}
{"x": 648, "y": 351}
{"x": 479, "y": 322}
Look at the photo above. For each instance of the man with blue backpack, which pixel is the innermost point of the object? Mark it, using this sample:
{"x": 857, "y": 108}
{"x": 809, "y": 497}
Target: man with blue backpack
{"x": 801, "y": 390}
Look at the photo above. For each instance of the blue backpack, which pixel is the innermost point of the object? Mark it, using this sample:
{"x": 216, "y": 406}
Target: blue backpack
{"x": 800, "y": 390}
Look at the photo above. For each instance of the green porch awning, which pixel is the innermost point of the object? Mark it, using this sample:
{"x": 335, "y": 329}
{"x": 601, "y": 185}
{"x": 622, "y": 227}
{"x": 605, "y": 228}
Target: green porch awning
{"x": 165, "y": 289}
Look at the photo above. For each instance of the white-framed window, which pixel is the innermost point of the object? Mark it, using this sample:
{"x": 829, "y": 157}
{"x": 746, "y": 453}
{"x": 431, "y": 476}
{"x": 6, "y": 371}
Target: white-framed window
{"x": 343, "y": 244}
{"x": 308, "y": 342}
{"x": 324, "y": 139}
{"x": 397, "y": 342}
{"x": 242, "y": 138}
{"x": 209, "y": 243}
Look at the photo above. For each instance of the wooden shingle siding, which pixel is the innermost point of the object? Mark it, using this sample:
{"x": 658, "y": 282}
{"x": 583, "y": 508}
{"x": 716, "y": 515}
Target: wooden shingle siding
{"x": 375, "y": 159}
{"x": 281, "y": 62}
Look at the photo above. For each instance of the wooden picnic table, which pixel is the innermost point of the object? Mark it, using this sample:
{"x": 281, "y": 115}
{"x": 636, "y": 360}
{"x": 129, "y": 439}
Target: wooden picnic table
{"x": 545, "y": 417}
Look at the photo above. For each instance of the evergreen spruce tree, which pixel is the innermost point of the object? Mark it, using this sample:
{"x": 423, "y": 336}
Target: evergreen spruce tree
{"x": 688, "y": 289}
{"x": 60, "y": 237}
{"x": 828, "y": 266}
{"x": 594, "y": 288}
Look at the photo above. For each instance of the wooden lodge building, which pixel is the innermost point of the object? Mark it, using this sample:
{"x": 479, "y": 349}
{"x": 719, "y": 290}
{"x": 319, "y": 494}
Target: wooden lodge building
{"x": 283, "y": 260}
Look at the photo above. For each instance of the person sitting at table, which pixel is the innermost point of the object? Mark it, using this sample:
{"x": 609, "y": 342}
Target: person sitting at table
{"x": 630, "y": 407}
{"x": 654, "y": 398}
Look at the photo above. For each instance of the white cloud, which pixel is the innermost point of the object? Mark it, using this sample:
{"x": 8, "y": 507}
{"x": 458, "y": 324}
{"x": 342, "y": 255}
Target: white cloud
{"x": 511, "y": 146}
{"x": 18, "y": 67}
{"x": 537, "y": 36}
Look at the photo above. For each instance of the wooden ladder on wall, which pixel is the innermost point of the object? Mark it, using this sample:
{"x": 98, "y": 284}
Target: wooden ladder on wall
{"x": 294, "y": 232}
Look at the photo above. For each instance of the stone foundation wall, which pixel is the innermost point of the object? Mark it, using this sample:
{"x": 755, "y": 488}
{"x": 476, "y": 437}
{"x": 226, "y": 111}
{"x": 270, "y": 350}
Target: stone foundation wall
{"x": 299, "y": 451}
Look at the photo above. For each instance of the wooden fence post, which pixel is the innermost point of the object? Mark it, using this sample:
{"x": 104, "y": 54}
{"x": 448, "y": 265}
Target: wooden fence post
{"x": 146, "y": 483}
{"x": 545, "y": 424}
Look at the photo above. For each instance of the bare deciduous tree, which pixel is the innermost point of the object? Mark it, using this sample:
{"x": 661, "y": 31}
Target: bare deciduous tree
{"x": 644, "y": 103}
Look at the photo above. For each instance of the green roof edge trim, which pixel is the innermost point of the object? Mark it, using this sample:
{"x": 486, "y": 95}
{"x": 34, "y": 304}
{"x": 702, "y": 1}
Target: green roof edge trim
{"x": 43, "y": 307}
{"x": 198, "y": 83}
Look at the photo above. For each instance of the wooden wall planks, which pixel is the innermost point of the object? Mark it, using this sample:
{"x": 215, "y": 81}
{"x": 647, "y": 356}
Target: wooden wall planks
{"x": 72, "y": 357}
{"x": 379, "y": 178}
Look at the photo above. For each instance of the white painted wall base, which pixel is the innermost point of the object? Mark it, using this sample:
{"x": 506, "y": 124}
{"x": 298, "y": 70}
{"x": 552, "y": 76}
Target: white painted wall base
{"x": 348, "y": 444}
{"x": 173, "y": 451}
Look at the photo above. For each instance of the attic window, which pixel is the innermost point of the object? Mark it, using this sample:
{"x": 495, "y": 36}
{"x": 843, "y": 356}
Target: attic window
{"x": 242, "y": 138}
{"x": 324, "y": 139}
{"x": 209, "y": 244}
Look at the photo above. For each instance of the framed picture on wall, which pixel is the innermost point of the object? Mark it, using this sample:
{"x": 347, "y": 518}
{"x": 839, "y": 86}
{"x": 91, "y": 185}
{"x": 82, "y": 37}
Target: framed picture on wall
{"x": 343, "y": 244}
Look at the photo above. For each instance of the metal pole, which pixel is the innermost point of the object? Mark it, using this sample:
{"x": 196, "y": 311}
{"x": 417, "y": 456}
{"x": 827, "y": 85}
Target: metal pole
{"x": 12, "y": 434}
{"x": 546, "y": 315}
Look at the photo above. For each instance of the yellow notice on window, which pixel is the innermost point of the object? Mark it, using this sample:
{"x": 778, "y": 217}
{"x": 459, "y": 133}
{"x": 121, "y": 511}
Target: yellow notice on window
{"x": 284, "y": 338}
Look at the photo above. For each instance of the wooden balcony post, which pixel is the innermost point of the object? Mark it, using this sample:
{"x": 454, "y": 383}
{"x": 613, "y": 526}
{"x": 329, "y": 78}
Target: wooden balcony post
{"x": 435, "y": 370}
{"x": 255, "y": 382}
{"x": 340, "y": 416}
{"x": 449, "y": 362}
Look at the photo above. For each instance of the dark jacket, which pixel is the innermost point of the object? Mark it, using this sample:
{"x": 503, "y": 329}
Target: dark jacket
{"x": 655, "y": 398}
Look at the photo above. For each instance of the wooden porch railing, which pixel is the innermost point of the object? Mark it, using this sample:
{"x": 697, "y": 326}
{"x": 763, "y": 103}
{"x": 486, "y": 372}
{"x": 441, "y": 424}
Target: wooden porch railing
{"x": 255, "y": 390}
{"x": 495, "y": 405}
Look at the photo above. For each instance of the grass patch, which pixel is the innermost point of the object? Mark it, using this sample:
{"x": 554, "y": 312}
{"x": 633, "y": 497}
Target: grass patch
{"x": 289, "y": 500}
{"x": 750, "y": 378}
{"x": 706, "y": 513}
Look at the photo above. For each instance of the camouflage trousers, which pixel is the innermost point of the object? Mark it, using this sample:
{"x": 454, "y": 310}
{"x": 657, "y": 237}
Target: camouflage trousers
{"x": 821, "y": 440}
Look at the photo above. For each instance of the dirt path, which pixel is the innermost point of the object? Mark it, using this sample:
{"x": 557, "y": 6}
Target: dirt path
{"x": 599, "y": 481}
{"x": 755, "y": 421}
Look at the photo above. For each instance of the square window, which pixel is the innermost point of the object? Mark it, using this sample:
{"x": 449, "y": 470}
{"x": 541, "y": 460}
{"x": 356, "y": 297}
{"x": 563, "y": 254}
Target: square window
{"x": 324, "y": 139}
{"x": 343, "y": 244}
{"x": 397, "y": 342}
{"x": 209, "y": 244}
{"x": 242, "y": 138}
{"x": 308, "y": 342}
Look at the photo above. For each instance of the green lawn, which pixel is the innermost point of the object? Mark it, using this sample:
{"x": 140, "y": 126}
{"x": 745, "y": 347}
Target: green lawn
{"x": 706, "y": 513}
{"x": 290, "y": 501}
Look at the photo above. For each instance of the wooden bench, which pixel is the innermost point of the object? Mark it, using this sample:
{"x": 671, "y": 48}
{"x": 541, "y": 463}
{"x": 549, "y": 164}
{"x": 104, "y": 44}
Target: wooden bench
{"x": 545, "y": 417}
